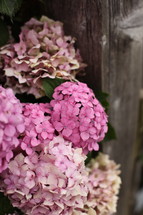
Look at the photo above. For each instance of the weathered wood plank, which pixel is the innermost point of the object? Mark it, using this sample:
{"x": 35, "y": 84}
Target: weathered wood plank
{"x": 82, "y": 19}
{"x": 137, "y": 182}
{"x": 110, "y": 23}
{"x": 121, "y": 77}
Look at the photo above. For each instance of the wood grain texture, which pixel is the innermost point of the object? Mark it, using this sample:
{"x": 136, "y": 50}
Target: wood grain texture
{"x": 137, "y": 180}
{"x": 82, "y": 19}
{"x": 109, "y": 36}
{"x": 121, "y": 77}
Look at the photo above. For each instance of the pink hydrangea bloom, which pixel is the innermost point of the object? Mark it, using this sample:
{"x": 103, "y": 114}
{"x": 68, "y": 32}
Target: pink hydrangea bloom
{"x": 38, "y": 129}
{"x": 89, "y": 211}
{"x": 104, "y": 183}
{"x": 43, "y": 51}
{"x": 51, "y": 182}
{"x": 11, "y": 125}
{"x": 78, "y": 116}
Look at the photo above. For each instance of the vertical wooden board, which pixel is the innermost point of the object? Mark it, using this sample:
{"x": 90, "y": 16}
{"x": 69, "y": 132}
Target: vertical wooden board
{"x": 137, "y": 182}
{"x": 82, "y": 19}
{"x": 121, "y": 70}
{"x": 120, "y": 8}
{"x": 121, "y": 75}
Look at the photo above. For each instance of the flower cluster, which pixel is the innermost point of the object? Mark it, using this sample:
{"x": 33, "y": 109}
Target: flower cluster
{"x": 104, "y": 183}
{"x": 78, "y": 116}
{"x": 51, "y": 182}
{"x": 11, "y": 125}
{"x": 88, "y": 211}
{"x": 43, "y": 146}
{"x": 43, "y": 51}
{"x": 38, "y": 129}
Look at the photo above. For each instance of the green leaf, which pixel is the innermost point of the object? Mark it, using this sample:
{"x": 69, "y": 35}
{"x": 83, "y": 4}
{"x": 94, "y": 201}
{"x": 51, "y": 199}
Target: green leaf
{"x": 29, "y": 98}
{"x": 4, "y": 34}
{"x": 102, "y": 97}
{"x": 50, "y": 84}
{"x": 5, "y": 206}
{"x": 9, "y": 7}
{"x": 111, "y": 134}
{"x": 90, "y": 156}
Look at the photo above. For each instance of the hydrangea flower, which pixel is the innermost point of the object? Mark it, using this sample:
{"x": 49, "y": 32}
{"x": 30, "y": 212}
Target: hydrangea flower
{"x": 89, "y": 211}
{"x": 43, "y": 51}
{"x": 51, "y": 182}
{"x": 38, "y": 129}
{"x": 11, "y": 125}
{"x": 104, "y": 183}
{"x": 78, "y": 116}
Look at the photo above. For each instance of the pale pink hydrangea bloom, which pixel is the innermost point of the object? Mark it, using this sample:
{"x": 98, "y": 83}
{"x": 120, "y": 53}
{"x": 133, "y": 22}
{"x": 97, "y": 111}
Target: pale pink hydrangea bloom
{"x": 11, "y": 125}
{"x": 104, "y": 183}
{"x": 78, "y": 116}
{"x": 89, "y": 211}
{"x": 51, "y": 182}
{"x": 38, "y": 129}
{"x": 43, "y": 51}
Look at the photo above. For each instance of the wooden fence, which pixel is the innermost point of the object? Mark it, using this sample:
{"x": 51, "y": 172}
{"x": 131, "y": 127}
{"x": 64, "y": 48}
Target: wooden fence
{"x": 110, "y": 36}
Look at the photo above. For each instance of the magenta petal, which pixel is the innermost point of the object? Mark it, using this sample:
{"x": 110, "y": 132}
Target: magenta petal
{"x": 82, "y": 128}
{"x": 44, "y": 135}
{"x": 9, "y": 155}
{"x": 23, "y": 146}
{"x": 95, "y": 146}
{"x": 38, "y": 128}
{"x": 21, "y": 128}
{"x": 15, "y": 141}
{"x": 3, "y": 118}
{"x": 34, "y": 142}
{"x": 1, "y": 135}
{"x": 58, "y": 126}
{"x": 29, "y": 151}
{"x": 67, "y": 132}
{"x": 10, "y": 130}
{"x": 84, "y": 135}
